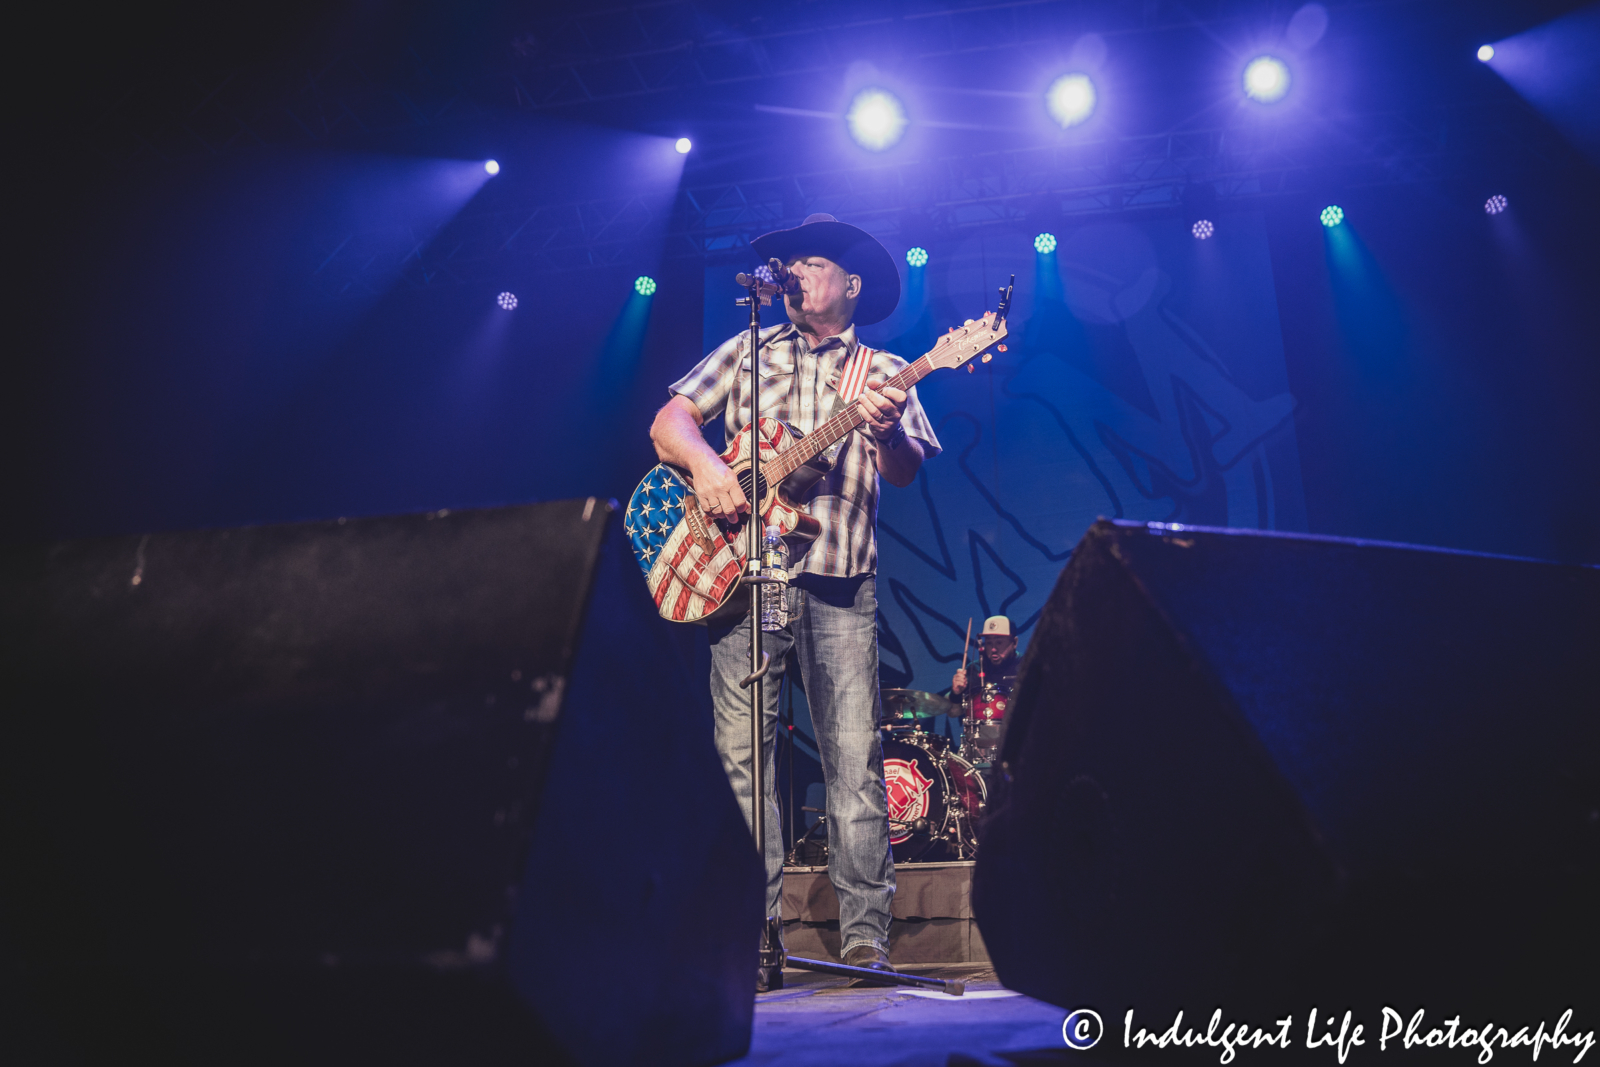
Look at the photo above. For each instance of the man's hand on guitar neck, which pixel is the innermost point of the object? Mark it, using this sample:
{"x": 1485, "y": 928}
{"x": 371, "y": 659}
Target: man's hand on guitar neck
{"x": 899, "y": 456}
{"x": 676, "y": 435}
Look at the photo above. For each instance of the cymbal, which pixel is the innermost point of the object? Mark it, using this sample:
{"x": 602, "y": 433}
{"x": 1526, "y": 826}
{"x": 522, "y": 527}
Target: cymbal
{"x": 906, "y": 704}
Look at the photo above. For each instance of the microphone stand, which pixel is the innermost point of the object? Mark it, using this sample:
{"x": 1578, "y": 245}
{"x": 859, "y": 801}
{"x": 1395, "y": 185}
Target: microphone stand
{"x": 772, "y": 958}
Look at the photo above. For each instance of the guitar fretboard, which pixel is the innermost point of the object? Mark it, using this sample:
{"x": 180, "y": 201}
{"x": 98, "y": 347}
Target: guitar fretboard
{"x": 839, "y": 424}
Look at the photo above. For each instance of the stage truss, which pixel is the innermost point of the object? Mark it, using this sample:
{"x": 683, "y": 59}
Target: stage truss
{"x": 1193, "y": 173}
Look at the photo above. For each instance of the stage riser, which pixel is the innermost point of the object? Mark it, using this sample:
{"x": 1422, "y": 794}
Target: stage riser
{"x": 931, "y": 918}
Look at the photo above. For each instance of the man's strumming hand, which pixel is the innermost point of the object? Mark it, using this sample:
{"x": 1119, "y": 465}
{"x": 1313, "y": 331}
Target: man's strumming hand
{"x": 717, "y": 489}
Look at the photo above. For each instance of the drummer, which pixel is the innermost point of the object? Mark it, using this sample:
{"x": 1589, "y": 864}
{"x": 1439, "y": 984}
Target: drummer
{"x": 997, "y": 660}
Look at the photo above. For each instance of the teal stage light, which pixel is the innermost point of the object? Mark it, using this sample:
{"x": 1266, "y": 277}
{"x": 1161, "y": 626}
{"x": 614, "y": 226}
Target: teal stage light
{"x": 1332, "y": 215}
{"x": 1070, "y": 99}
{"x": 1266, "y": 79}
{"x": 1044, "y": 244}
{"x": 917, "y": 257}
{"x": 876, "y": 119}
{"x": 645, "y": 285}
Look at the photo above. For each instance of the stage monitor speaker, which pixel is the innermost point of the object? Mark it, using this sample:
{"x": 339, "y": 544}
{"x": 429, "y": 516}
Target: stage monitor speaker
{"x": 1253, "y": 768}
{"x": 418, "y": 789}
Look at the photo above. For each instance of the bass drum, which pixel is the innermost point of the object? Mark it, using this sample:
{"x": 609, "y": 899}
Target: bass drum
{"x": 935, "y": 798}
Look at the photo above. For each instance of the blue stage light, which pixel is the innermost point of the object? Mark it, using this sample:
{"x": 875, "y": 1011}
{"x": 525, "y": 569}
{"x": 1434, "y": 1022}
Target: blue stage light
{"x": 1495, "y": 204}
{"x": 917, "y": 257}
{"x": 507, "y": 301}
{"x": 645, "y": 285}
{"x": 1070, "y": 99}
{"x": 876, "y": 119}
{"x": 1044, "y": 244}
{"x": 1485, "y": 53}
{"x": 683, "y": 145}
{"x": 492, "y": 167}
{"x": 1203, "y": 229}
{"x": 1332, "y": 215}
{"x": 1266, "y": 79}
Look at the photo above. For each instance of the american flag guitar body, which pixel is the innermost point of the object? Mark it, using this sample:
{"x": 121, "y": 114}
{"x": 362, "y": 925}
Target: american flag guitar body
{"x": 694, "y": 565}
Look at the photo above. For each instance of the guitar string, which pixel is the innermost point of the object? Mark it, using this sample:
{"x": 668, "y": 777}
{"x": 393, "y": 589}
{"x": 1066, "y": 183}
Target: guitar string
{"x": 791, "y": 459}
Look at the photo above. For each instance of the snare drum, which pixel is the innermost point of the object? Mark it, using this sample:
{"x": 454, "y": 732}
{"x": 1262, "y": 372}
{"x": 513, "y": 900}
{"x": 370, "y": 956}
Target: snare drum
{"x": 989, "y": 705}
{"x": 984, "y": 725}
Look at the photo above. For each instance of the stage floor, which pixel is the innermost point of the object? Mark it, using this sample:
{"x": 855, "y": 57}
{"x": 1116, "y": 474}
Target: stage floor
{"x": 818, "y": 1019}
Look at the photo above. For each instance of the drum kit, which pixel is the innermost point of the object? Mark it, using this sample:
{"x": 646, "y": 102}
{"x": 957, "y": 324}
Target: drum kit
{"x": 937, "y": 792}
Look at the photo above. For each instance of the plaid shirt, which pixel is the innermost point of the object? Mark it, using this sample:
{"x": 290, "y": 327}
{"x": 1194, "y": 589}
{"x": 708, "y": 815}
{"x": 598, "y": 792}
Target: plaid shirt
{"x": 798, "y": 386}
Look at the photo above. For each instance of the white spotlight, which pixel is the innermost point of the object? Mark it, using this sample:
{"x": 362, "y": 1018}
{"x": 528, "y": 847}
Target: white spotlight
{"x": 1266, "y": 79}
{"x": 1070, "y": 99}
{"x": 876, "y": 119}
{"x": 492, "y": 167}
{"x": 683, "y": 146}
{"x": 1485, "y": 53}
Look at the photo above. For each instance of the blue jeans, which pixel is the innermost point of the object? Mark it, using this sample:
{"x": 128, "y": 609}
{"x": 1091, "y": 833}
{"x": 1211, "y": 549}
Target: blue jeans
{"x": 835, "y": 645}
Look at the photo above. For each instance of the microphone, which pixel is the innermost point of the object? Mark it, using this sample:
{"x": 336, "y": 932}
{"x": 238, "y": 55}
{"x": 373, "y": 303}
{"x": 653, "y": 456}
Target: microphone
{"x": 786, "y": 280}
{"x": 773, "y": 279}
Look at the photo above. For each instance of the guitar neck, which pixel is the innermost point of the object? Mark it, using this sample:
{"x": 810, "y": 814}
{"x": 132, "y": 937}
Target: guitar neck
{"x": 840, "y": 424}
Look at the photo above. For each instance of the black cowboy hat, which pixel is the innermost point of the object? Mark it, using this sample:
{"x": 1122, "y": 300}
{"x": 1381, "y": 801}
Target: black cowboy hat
{"x": 853, "y": 248}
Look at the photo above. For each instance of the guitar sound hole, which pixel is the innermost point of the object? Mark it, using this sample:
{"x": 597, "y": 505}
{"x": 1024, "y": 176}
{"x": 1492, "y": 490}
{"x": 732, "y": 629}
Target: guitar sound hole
{"x": 744, "y": 484}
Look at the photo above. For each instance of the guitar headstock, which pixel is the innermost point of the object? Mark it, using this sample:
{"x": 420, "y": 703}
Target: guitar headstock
{"x": 976, "y": 337}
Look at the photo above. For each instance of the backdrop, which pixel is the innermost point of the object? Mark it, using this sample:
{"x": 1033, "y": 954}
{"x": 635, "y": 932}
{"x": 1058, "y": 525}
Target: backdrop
{"x": 1144, "y": 379}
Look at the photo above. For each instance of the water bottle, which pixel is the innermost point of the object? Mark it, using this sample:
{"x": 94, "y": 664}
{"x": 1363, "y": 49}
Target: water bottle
{"x": 774, "y": 565}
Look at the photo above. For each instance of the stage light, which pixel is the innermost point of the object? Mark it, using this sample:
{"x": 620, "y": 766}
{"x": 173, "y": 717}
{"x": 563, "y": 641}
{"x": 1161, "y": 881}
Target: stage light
{"x": 876, "y": 119}
{"x": 507, "y": 300}
{"x": 1044, "y": 244}
{"x": 683, "y": 146}
{"x": 1070, "y": 99}
{"x": 1203, "y": 229}
{"x": 492, "y": 167}
{"x": 1266, "y": 79}
{"x": 1332, "y": 215}
{"x": 1495, "y": 204}
{"x": 1485, "y": 53}
{"x": 645, "y": 285}
{"x": 917, "y": 257}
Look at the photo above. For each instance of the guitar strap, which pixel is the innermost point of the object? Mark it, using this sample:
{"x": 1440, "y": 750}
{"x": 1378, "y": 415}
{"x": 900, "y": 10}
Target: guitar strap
{"x": 853, "y": 378}
{"x": 852, "y": 382}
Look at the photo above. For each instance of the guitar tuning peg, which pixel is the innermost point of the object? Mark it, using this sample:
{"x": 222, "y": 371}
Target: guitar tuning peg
{"x": 971, "y": 369}
{"x": 967, "y": 323}
{"x": 987, "y": 357}
{"x": 1000, "y": 348}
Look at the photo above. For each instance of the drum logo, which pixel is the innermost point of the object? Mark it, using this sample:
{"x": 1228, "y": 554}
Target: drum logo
{"x": 908, "y": 796}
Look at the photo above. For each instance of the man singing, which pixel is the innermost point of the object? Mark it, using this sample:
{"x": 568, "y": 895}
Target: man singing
{"x": 806, "y": 369}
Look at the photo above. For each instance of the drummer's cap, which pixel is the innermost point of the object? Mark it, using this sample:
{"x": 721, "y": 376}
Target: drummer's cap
{"x": 997, "y": 624}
